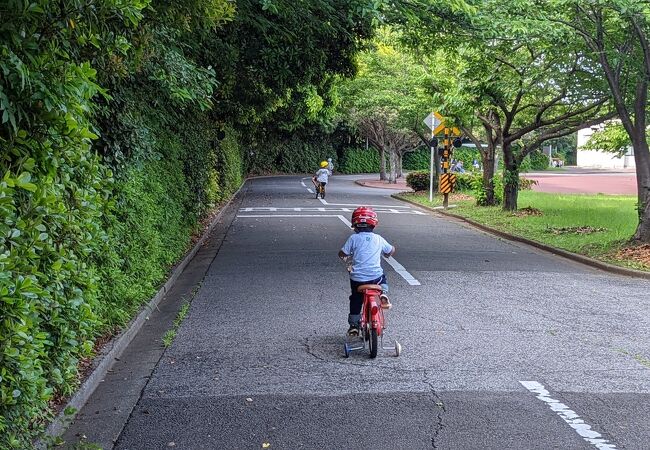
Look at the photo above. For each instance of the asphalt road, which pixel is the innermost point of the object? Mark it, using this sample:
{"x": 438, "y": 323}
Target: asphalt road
{"x": 504, "y": 346}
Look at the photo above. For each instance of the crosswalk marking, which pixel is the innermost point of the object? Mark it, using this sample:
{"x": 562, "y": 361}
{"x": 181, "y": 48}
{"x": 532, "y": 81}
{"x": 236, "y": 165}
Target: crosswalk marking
{"x": 388, "y": 210}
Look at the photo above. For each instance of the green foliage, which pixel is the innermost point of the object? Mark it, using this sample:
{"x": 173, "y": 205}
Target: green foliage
{"x": 299, "y": 152}
{"x": 538, "y": 161}
{"x": 54, "y": 193}
{"x": 417, "y": 160}
{"x": 418, "y": 180}
{"x": 358, "y": 160}
{"x": 611, "y": 138}
{"x": 534, "y": 161}
{"x": 477, "y": 185}
{"x": 169, "y": 336}
{"x": 111, "y": 153}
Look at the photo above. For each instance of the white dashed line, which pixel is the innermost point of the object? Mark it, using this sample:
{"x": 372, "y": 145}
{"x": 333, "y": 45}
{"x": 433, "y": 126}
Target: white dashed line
{"x": 410, "y": 279}
{"x": 310, "y": 191}
{"x": 569, "y": 416}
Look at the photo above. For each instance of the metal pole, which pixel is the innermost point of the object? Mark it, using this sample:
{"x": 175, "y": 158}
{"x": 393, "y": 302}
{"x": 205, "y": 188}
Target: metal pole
{"x": 445, "y": 167}
{"x": 431, "y": 176}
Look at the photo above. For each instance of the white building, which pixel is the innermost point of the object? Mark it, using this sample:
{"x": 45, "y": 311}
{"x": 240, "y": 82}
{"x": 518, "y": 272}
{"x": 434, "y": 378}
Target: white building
{"x": 601, "y": 160}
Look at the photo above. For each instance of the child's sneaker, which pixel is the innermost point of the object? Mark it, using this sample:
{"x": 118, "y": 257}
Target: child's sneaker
{"x": 353, "y": 330}
{"x": 385, "y": 303}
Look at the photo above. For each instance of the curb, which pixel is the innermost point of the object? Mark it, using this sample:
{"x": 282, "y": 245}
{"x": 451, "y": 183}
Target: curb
{"x": 564, "y": 253}
{"x": 360, "y": 183}
{"x": 119, "y": 343}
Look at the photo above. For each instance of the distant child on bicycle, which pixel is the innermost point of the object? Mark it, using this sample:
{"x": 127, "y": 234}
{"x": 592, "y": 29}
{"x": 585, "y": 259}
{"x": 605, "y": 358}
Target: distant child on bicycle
{"x": 322, "y": 175}
{"x": 365, "y": 248}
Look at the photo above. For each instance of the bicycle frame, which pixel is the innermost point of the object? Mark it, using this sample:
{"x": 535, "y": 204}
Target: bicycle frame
{"x": 372, "y": 324}
{"x": 372, "y": 313}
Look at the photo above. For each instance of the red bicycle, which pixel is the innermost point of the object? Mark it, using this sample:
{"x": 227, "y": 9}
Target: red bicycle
{"x": 373, "y": 324}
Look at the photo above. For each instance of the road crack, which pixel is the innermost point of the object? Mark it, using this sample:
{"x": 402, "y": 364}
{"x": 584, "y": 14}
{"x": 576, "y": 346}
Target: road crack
{"x": 441, "y": 410}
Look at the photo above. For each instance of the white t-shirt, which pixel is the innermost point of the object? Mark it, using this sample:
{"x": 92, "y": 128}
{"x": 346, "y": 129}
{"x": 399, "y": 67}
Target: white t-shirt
{"x": 366, "y": 249}
{"x": 323, "y": 175}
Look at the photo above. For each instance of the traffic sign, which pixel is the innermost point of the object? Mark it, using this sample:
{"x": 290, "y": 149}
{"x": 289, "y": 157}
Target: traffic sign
{"x": 433, "y": 121}
{"x": 446, "y": 184}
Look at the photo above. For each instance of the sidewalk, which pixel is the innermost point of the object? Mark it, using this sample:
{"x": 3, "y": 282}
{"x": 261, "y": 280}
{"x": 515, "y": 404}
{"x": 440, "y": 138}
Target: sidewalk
{"x": 614, "y": 182}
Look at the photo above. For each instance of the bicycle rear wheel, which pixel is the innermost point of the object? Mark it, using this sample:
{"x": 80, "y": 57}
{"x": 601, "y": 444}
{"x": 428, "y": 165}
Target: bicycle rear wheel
{"x": 372, "y": 343}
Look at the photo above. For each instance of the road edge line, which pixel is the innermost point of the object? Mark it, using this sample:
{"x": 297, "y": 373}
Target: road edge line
{"x": 557, "y": 251}
{"x": 121, "y": 341}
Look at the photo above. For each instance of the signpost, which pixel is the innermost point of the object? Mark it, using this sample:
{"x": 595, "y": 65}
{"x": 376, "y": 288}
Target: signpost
{"x": 436, "y": 124}
{"x": 433, "y": 121}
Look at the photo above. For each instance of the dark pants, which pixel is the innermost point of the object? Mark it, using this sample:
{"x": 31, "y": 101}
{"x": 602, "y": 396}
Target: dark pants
{"x": 356, "y": 298}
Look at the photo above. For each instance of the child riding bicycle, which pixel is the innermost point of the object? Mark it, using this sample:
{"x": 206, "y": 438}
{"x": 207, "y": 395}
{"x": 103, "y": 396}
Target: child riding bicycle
{"x": 365, "y": 248}
{"x": 322, "y": 176}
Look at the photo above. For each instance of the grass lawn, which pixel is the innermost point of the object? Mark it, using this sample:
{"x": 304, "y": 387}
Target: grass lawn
{"x": 598, "y": 226}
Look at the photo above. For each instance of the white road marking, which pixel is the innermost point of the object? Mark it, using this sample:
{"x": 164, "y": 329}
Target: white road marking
{"x": 310, "y": 191}
{"x": 314, "y": 208}
{"x": 410, "y": 279}
{"x": 345, "y": 221}
{"x": 287, "y": 215}
{"x": 569, "y": 416}
{"x": 324, "y": 202}
{"x": 303, "y": 183}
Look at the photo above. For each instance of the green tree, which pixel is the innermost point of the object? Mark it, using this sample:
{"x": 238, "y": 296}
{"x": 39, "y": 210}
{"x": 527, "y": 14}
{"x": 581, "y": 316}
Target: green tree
{"x": 616, "y": 34}
{"x": 526, "y": 79}
{"x": 387, "y": 100}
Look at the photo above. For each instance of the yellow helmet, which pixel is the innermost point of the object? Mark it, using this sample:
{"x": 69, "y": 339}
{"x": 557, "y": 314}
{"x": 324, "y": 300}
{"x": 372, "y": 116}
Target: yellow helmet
{"x": 323, "y": 164}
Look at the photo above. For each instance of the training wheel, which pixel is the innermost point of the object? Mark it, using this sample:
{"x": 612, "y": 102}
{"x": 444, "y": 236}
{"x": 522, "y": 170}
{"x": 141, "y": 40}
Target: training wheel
{"x": 398, "y": 348}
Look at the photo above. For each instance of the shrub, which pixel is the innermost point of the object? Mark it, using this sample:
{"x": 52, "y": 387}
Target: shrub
{"x": 418, "y": 181}
{"x": 538, "y": 161}
{"x": 464, "y": 181}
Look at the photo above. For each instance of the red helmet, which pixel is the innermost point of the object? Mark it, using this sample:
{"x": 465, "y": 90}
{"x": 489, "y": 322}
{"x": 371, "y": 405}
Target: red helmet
{"x": 364, "y": 216}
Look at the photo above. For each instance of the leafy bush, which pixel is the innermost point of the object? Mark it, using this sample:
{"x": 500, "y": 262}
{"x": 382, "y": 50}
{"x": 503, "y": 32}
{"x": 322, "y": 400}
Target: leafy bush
{"x": 105, "y": 176}
{"x": 534, "y": 161}
{"x": 357, "y": 160}
{"x": 418, "y": 180}
{"x": 464, "y": 181}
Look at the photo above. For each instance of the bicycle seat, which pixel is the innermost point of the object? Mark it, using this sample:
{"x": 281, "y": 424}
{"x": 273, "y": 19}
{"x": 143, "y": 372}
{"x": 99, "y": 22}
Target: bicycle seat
{"x": 372, "y": 287}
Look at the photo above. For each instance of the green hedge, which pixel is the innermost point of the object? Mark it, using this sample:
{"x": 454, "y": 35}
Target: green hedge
{"x": 357, "y": 160}
{"x": 417, "y": 160}
{"x": 299, "y": 152}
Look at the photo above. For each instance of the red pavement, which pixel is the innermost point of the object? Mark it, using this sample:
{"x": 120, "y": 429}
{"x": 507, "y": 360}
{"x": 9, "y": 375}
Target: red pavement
{"x": 574, "y": 181}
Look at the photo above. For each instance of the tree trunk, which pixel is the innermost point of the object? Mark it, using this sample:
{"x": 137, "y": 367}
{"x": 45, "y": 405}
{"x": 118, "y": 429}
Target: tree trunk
{"x": 642, "y": 160}
{"x": 393, "y": 166}
{"x": 400, "y": 160}
{"x": 487, "y": 159}
{"x": 510, "y": 179}
{"x": 382, "y": 164}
